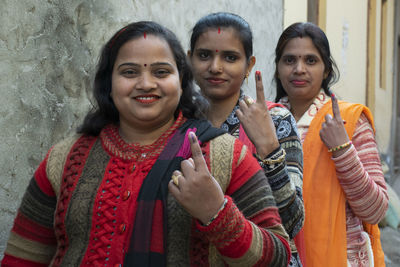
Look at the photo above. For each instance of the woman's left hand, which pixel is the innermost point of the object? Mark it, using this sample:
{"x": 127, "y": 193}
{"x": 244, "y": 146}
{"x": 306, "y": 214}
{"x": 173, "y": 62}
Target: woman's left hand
{"x": 332, "y": 132}
{"x": 257, "y": 122}
{"x": 195, "y": 188}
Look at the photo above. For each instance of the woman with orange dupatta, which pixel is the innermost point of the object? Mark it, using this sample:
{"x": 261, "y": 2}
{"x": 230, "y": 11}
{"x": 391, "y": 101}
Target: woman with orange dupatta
{"x": 343, "y": 184}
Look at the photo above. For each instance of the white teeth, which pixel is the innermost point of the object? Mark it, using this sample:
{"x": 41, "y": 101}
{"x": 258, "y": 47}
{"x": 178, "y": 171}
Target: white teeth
{"x": 145, "y": 97}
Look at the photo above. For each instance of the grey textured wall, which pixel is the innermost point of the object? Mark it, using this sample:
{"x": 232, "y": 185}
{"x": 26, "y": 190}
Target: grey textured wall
{"x": 48, "y": 52}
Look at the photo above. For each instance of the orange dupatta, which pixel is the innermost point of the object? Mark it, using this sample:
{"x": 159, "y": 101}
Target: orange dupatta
{"x": 324, "y": 199}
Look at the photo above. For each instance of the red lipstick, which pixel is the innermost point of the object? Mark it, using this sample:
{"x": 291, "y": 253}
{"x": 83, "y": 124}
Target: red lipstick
{"x": 147, "y": 99}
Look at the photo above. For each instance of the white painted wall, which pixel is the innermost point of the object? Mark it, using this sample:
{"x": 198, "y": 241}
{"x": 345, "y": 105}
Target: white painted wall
{"x": 347, "y": 35}
{"x": 295, "y": 11}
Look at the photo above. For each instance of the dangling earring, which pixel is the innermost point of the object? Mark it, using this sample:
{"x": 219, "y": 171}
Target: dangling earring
{"x": 247, "y": 78}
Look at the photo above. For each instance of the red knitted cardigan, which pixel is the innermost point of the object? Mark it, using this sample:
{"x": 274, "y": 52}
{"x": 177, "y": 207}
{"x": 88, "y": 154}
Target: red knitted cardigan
{"x": 92, "y": 219}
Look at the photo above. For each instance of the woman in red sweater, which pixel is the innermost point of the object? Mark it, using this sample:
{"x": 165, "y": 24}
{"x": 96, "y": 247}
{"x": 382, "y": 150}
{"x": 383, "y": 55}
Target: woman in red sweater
{"x": 105, "y": 197}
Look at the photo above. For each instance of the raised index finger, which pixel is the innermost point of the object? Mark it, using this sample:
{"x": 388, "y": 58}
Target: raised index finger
{"x": 259, "y": 88}
{"x": 335, "y": 107}
{"x": 197, "y": 155}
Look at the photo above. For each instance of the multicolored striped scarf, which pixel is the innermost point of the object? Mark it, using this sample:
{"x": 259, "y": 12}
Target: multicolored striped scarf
{"x": 152, "y": 199}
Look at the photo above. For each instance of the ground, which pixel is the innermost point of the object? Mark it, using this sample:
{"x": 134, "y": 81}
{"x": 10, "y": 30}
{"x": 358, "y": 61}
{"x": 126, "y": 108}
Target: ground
{"x": 390, "y": 237}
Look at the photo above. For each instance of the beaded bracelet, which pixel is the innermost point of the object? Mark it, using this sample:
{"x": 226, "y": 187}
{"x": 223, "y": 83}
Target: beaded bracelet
{"x": 216, "y": 215}
{"x": 340, "y": 147}
{"x": 272, "y": 161}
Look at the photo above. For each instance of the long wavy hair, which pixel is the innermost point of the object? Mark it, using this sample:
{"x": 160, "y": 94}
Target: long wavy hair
{"x": 104, "y": 111}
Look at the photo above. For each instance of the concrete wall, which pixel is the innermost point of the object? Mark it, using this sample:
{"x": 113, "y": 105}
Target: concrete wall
{"x": 48, "y": 51}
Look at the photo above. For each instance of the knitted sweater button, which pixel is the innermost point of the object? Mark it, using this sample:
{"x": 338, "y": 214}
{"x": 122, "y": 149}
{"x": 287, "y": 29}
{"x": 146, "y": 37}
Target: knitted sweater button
{"x": 122, "y": 228}
{"x": 126, "y": 195}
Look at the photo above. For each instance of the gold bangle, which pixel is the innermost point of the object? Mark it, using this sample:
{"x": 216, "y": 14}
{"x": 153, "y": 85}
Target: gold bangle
{"x": 272, "y": 161}
{"x": 340, "y": 147}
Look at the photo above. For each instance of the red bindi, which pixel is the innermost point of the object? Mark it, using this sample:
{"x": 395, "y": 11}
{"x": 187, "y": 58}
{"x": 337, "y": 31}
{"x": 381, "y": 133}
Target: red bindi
{"x": 145, "y": 65}
{"x": 144, "y": 35}
{"x": 216, "y": 50}
{"x": 219, "y": 30}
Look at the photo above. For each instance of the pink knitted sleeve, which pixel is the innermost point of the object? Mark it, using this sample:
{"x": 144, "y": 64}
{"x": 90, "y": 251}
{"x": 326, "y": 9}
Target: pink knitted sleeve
{"x": 360, "y": 174}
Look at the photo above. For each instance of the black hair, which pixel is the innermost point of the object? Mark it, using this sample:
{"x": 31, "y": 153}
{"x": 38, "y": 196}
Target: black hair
{"x": 105, "y": 111}
{"x": 321, "y": 43}
{"x": 224, "y": 19}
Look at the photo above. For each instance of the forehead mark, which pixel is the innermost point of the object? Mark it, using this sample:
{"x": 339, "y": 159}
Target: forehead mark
{"x": 145, "y": 65}
{"x": 219, "y": 32}
{"x": 144, "y": 35}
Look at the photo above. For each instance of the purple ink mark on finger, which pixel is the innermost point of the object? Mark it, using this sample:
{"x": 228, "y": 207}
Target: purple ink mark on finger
{"x": 192, "y": 137}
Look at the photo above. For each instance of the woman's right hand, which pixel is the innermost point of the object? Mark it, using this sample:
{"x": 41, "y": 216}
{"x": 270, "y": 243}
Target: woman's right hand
{"x": 257, "y": 121}
{"x": 332, "y": 132}
{"x": 195, "y": 188}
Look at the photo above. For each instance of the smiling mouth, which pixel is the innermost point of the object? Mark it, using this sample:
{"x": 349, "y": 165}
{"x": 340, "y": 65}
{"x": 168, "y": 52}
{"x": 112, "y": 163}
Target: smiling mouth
{"x": 147, "y": 99}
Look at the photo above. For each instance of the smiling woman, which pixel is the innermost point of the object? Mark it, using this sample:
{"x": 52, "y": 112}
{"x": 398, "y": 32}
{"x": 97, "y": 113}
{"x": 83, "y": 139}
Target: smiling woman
{"x": 221, "y": 48}
{"x": 146, "y": 181}
{"x": 220, "y": 64}
{"x": 145, "y": 88}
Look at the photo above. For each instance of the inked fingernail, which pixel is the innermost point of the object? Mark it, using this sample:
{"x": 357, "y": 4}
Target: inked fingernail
{"x": 258, "y": 75}
{"x": 192, "y": 137}
{"x": 333, "y": 95}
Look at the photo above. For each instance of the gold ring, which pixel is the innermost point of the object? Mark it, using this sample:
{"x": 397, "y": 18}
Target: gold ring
{"x": 249, "y": 101}
{"x": 175, "y": 179}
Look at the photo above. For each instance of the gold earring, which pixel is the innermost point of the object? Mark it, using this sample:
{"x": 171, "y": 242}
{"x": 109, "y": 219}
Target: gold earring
{"x": 247, "y": 78}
